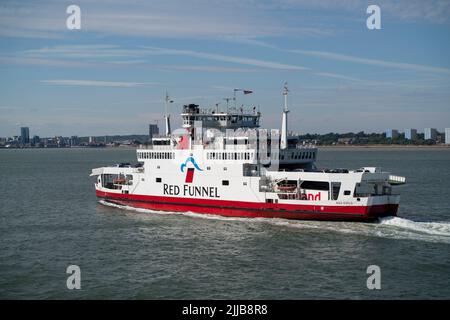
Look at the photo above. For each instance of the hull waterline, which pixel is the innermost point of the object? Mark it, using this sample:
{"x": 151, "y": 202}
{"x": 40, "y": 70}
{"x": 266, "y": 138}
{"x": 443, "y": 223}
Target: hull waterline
{"x": 253, "y": 210}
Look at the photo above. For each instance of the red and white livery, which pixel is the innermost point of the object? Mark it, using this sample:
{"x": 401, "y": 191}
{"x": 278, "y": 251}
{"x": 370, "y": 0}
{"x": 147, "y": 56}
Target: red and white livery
{"x": 222, "y": 163}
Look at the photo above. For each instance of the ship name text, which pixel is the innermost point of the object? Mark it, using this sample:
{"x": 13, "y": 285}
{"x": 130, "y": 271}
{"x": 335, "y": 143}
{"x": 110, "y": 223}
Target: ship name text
{"x": 192, "y": 191}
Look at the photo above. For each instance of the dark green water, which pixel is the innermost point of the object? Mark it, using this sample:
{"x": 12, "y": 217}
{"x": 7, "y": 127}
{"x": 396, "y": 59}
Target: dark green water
{"x": 50, "y": 219}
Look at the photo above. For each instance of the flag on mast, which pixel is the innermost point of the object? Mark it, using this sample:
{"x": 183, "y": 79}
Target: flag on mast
{"x": 245, "y": 91}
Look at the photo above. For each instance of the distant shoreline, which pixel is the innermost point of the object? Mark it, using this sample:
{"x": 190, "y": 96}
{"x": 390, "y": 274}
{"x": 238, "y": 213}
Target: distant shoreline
{"x": 385, "y": 146}
{"x": 369, "y": 146}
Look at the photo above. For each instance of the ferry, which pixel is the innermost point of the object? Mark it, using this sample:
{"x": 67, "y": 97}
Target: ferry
{"x": 222, "y": 163}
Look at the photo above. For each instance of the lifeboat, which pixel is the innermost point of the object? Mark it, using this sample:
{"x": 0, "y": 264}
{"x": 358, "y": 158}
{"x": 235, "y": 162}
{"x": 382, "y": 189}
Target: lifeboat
{"x": 119, "y": 181}
{"x": 287, "y": 187}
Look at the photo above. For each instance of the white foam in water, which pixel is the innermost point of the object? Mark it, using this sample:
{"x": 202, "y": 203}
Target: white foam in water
{"x": 432, "y": 228}
{"x": 390, "y": 227}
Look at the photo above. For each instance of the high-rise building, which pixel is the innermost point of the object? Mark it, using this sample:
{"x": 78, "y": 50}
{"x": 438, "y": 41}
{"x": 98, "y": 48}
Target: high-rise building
{"x": 392, "y": 133}
{"x": 25, "y": 135}
{"x": 430, "y": 134}
{"x": 152, "y": 130}
{"x": 36, "y": 140}
{"x": 74, "y": 141}
{"x": 410, "y": 134}
{"x": 447, "y": 135}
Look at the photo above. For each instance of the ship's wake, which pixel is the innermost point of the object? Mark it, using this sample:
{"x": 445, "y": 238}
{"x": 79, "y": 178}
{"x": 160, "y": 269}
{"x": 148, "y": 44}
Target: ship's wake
{"x": 389, "y": 227}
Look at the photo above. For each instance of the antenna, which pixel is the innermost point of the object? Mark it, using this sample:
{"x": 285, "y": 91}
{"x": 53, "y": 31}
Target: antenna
{"x": 227, "y": 100}
{"x": 285, "y": 94}
{"x": 167, "y": 115}
{"x": 284, "y": 122}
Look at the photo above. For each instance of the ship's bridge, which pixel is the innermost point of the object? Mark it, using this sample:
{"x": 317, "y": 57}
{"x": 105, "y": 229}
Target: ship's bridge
{"x": 233, "y": 118}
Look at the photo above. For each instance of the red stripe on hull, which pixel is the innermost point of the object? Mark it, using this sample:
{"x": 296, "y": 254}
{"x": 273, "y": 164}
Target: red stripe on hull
{"x": 252, "y": 209}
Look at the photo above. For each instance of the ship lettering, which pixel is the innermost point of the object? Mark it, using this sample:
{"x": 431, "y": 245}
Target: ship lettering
{"x": 197, "y": 191}
{"x": 192, "y": 191}
{"x": 170, "y": 189}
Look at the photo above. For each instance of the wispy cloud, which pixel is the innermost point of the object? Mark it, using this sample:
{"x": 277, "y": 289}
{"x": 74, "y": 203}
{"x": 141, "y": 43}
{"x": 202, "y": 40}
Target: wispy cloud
{"x": 337, "y": 76}
{"x": 433, "y": 11}
{"x": 200, "y": 19}
{"x": 95, "y": 83}
{"x": 226, "y": 58}
{"x": 111, "y": 53}
{"x": 373, "y": 62}
{"x": 218, "y": 69}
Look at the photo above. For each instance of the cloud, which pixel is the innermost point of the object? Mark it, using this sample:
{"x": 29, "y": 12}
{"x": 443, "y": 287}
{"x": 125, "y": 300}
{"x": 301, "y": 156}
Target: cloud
{"x": 218, "y": 69}
{"x": 200, "y": 19}
{"x": 336, "y": 76}
{"x": 104, "y": 53}
{"x": 226, "y": 58}
{"x": 373, "y": 62}
{"x": 432, "y": 11}
{"x": 95, "y": 83}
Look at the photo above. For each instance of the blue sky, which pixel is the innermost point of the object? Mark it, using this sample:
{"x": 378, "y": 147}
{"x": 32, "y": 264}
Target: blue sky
{"x": 110, "y": 76}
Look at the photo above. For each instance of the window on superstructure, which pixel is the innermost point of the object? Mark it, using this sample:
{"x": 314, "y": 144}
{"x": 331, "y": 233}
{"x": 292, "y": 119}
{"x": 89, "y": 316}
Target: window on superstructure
{"x": 315, "y": 185}
{"x": 335, "y": 188}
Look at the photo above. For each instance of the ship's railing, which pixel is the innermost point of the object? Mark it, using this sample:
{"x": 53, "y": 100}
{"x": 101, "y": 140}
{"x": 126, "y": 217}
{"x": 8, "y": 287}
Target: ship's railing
{"x": 245, "y": 110}
{"x": 156, "y": 147}
{"x": 396, "y": 180}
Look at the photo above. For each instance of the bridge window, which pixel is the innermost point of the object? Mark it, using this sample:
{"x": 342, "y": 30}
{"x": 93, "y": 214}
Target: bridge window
{"x": 315, "y": 185}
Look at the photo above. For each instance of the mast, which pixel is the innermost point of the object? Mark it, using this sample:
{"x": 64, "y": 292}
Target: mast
{"x": 284, "y": 124}
{"x": 167, "y": 115}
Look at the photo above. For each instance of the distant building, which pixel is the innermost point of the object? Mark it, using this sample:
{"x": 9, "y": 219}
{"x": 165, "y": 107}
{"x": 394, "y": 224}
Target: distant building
{"x": 430, "y": 134}
{"x": 345, "y": 140}
{"x": 447, "y": 135}
{"x": 60, "y": 141}
{"x": 392, "y": 133}
{"x": 411, "y": 134}
{"x": 91, "y": 140}
{"x": 152, "y": 130}
{"x": 25, "y": 135}
{"x": 36, "y": 140}
{"x": 74, "y": 141}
